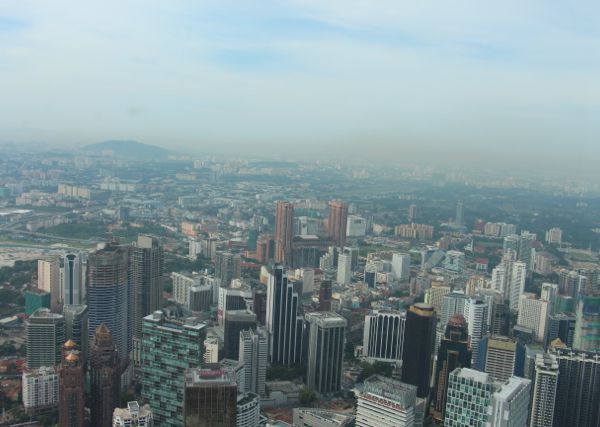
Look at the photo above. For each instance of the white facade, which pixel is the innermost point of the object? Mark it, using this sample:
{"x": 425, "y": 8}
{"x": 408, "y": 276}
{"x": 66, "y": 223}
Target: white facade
{"x": 133, "y": 416}
{"x": 40, "y": 388}
{"x": 533, "y": 314}
{"x": 254, "y": 351}
{"x": 387, "y": 403}
{"x": 383, "y": 335}
{"x": 356, "y": 226}
{"x": 49, "y": 280}
{"x": 510, "y": 404}
{"x": 401, "y": 266}
{"x": 344, "y": 270}
{"x": 476, "y": 315}
{"x": 181, "y": 288}
{"x": 211, "y": 350}
{"x": 554, "y": 236}
{"x": 545, "y": 384}
{"x": 517, "y": 284}
{"x": 194, "y": 249}
{"x": 248, "y": 410}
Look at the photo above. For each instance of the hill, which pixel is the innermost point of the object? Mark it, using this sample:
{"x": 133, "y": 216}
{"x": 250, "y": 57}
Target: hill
{"x": 132, "y": 150}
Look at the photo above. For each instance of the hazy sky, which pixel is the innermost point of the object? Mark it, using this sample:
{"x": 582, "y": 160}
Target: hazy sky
{"x": 372, "y": 76}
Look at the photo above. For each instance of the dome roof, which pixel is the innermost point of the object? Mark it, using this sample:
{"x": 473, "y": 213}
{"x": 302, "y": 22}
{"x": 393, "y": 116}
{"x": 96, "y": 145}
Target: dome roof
{"x": 72, "y": 357}
{"x": 457, "y": 320}
{"x": 70, "y": 344}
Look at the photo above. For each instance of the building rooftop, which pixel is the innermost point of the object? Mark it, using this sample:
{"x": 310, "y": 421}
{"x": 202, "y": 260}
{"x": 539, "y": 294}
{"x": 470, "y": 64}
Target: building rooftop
{"x": 472, "y": 374}
{"x": 209, "y": 376}
{"x": 391, "y": 389}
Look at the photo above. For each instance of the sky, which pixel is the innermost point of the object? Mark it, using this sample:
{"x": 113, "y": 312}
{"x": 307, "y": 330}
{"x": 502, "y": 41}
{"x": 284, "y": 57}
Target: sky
{"x": 390, "y": 80}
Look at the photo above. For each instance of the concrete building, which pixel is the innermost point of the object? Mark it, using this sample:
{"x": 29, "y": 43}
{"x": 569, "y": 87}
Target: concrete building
{"x": 401, "y": 266}
{"x": 469, "y": 398}
{"x": 544, "y": 387}
{"x": 48, "y": 275}
{"x": 211, "y": 350}
{"x": 356, "y": 226}
{"x": 561, "y": 326}
{"x": 454, "y": 261}
{"x": 325, "y": 340}
{"x": 253, "y": 354}
{"x": 248, "y": 410}
{"x": 498, "y": 357}
{"x": 554, "y": 236}
{"x": 383, "y": 335}
{"x": 76, "y": 328}
{"x": 344, "y": 269}
{"x": 228, "y": 266}
{"x": 587, "y": 324}
{"x": 40, "y": 389}
{"x": 313, "y": 417}
{"x": 477, "y": 316}
{"x": 337, "y": 222}
{"x": 133, "y": 416}
{"x": 72, "y": 388}
{"x": 105, "y": 377}
{"x": 73, "y": 283}
{"x": 533, "y": 314}
{"x": 510, "y": 403}
{"x": 45, "y": 332}
{"x": 284, "y": 232}
{"x": 236, "y": 321}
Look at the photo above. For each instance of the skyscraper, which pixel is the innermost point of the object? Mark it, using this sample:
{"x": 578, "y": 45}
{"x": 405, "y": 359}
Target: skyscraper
{"x": 336, "y": 225}
{"x": 49, "y": 280}
{"x": 498, "y": 357}
{"x": 459, "y": 218}
{"x": 562, "y": 326}
{"x": 533, "y": 314}
{"x": 45, "y": 335}
{"x": 105, "y": 377}
{"x": 169, "y": 345}
{"x": 40, "y": 389}
{"x": 587, "y": 324}
{"x": 210, "y": 398}
{"x": 476, "y": 315}
{"x": 73, "y": 287}
{"x": 383, "y": 335}
{"x": 284, "y": 232}
{"x": 344, "y": 270}
{"x": 325, "y": 341}
{"x": 109, "y": 296}
{"x": 469, "y": 396}
{"x": 72, "y": 391}
{"x": 401, "y": 266}
{"x": 325, "y": 296}
{"x": 510, "y": 403}
{"x": 228, "y": 266}
{"x": 284, "y": 323}
{"x": 454, "y": 352}
{"x": 545, "y": 382}
{"x": 254, "y": 350}
{"x": 516, "y": 284}
{"x": 146, "y": 266}
{"x": 419, "y": 341}
{"x": 235, "y": 322}
{"x": 76, "y": 328}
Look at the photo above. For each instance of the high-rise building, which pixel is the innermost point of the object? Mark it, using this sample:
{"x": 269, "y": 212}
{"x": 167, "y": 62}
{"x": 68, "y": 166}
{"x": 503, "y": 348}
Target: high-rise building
{"x": 561, "y": 326}
{"x": 454, "y": 352}
{"x": 344, "y": 269}
{"x": 459, "y": 218}
{"x": 45, "y": 333}
{"x": 284, "y": 322}
{"x": 533, "y": 314}
{"x": 35, "y": 299}
{"x": 545, "y": 382}
{"x": 336, "y": 225}
{"x": 587, "y": 324}
{"x": 146, "y": 266}
{"x": 108, "y": 296}
{"x": 235, "y": 322}
{"x": 254, "y": 350}
{"x": 384, "y": 402}
{"x": 76, "y": 328}
{"x": 499, "y": 357}
{"x": 383, "y": 335}
{"x": 248, "y": 410}
{"x": 325, "y": 341}
{"x": 522, "y": 246}
{"x": 40, "y": 389}
{"x": 469, "y": 397}
{"x": 401, "y": 266}
{"x": 554, "y": 236}
{"x": 210, "y": 398}
{"x": 133, "y": 416}
{"x": 510, "y": 403}
{"x": 550, "y": 293}
{"x": 49, "y": 280}
{"x": 105, "y": 377}
{"x": 230, "y": 298}
{"x": 516, "y": 284}
{"x": 476, "y": 315}
{"x": 73, "y": 285}
{"x": 451, "y": 304}
{"x": 419, "y": 341}
{"x": 454, "y": 261}
{"x": 72, "y": 389}
{"x": 325, "y": 296}
{"x": 284, "y": 232}
{"x": 578, "y": 390}
{"x": 412, "y": 213}
{"x": 228, "y": 266}
{"x": 169, "y": 346}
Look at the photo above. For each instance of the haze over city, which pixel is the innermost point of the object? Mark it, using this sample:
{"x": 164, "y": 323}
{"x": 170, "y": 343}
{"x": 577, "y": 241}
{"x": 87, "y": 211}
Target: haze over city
{"x": 418, "y": 81}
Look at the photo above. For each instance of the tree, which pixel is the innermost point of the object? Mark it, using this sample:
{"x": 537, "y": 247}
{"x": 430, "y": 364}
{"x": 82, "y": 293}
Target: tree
{"x": 307, "y": 396}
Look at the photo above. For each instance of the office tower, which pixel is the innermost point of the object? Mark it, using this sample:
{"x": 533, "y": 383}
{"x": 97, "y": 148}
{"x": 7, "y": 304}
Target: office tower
{"x": 254, "y": 350}
{"x": 451, "y": 304}
{"x": 336, "y": 225}
{"x": 510, "y": 403}
{"x": 169, "y": 346}
{"x": 516, "y": 285}
{"x": 522, "y": 246}
{"x": 383, "y": 335}
{"x": 401, "y": 266}
{"x": 284, "y": 323}
{"x": 344, "y": 270}
{"x": 73, "y": 286}
{"x": 49, "y": 280}
{"x": 228, "y": 266}
{"x": 325, "y": 340}
{"x": 384, "y": 402}
{"x": 231, "y": 298}
{"x": 454, "y": 352}
{"x": 200, "y": 298}
{"x": 500, "y": 357}
{"x": 105, "y": 376}
{"x": 35, "y": 299}
{"x": 325, "y": 296}
{"x": 72, "y": 390}
{"x": 533, "y": 314}
{"x": 561, "y": 326}
{"x": 572, "y": 283}
{"x": 419, "y": 341}
{"x": 235, "y": 322}
{"x": 182, "y": 284}
{"x": 412, "y": 213}
{"x": 133, "y": 416}
{"x": 587, "y": 324}
{"x": 578, "y": 390}
{"x": 545, "y": 382}
{"x": 469, "y": 395}
{"x": 210, "y": 398}
{"x": 45, "y": 335}
{"x": 370, "y": 277}
{"x": 211, "y": 350}
{"x": 284, "y": 232}
{"x": 108, "y": 296}
{"x": 459, "y": 217}
{"x": 550, "y": 293}
{"x": 40, "y": 389}
{"x": 500, "y": 318}
{"x": 554, "y": 236}
{"x": 476, "y": 315}
{"x": 248, "y": 410}
{"x": 146, "y": 266}
{"x": 76, "y": 328}
{"x": 259, "y": 305}
{"x": 356, "y": 226}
